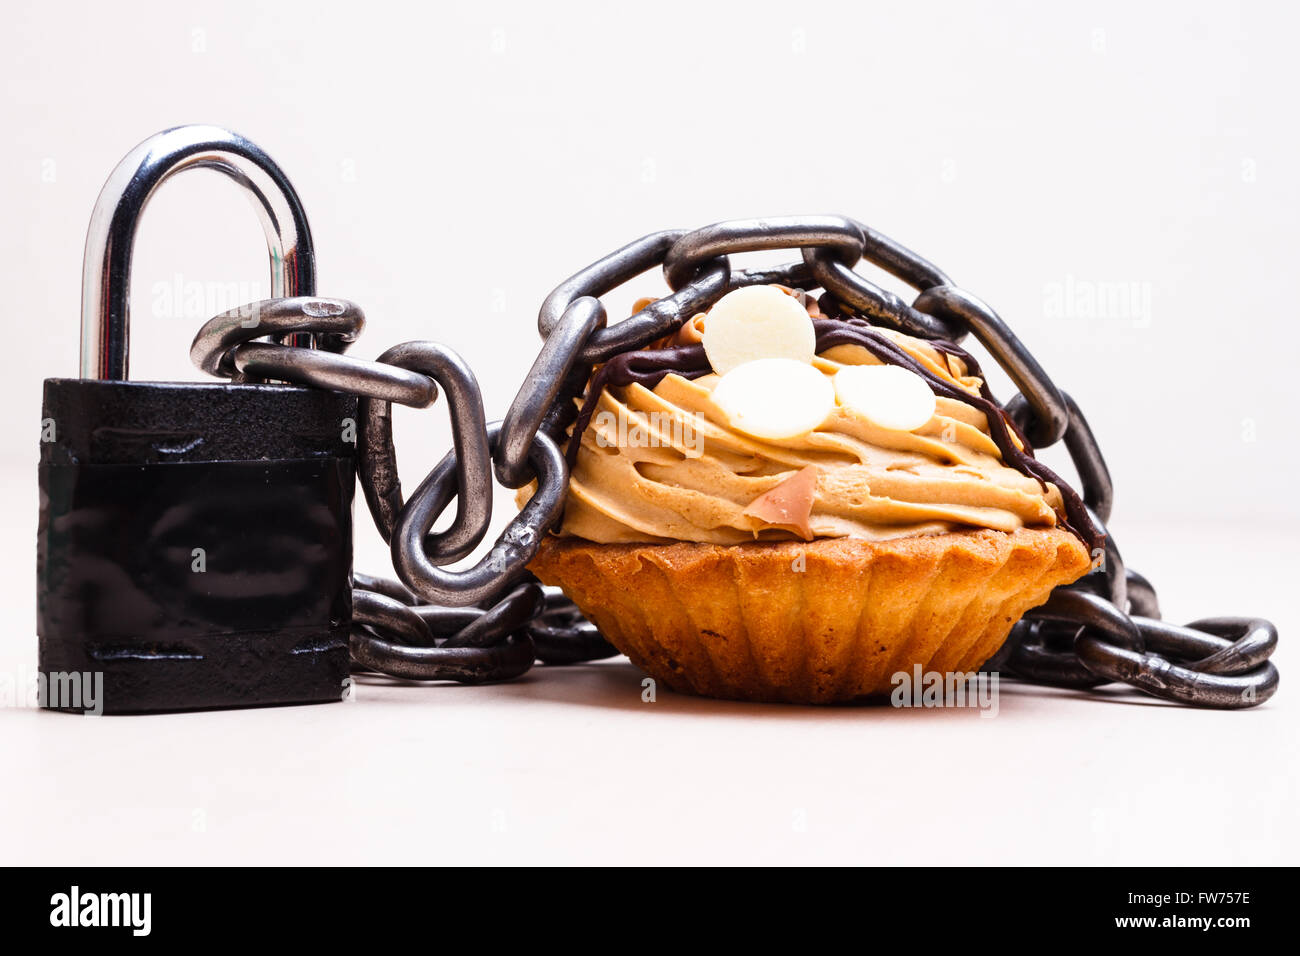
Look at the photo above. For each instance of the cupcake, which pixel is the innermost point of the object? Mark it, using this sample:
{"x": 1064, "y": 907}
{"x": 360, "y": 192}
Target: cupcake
{"x": 777, "y": 504}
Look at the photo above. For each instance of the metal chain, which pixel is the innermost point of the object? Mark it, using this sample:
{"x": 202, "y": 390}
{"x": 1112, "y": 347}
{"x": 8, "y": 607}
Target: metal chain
{"x": 489, "y": 623}
{"x": 492, "y": 621}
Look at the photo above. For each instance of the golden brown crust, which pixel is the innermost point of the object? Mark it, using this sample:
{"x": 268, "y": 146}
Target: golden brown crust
{"x": 810, "y": 622}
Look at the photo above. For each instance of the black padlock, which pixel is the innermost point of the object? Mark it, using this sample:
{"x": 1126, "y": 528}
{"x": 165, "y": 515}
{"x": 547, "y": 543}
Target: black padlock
{"x": 195, "y": 540}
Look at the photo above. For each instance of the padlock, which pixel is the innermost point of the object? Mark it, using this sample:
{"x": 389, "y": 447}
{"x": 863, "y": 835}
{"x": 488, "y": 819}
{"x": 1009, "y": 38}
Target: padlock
{"x": 195, "y": 540}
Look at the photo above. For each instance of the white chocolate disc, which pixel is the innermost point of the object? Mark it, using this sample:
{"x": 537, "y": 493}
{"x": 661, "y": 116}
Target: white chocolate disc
{"x": 775, "y": 398}
{"x": 757, "y": 322}
{"x": 888, "y": 395}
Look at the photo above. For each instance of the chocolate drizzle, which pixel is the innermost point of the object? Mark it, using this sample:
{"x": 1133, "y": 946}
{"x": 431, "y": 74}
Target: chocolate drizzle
{"x": 648, "y": 367}
{"x": 832, "y": 332}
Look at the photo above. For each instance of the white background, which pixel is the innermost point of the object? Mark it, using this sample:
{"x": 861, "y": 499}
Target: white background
{"x": 458, "y": 161}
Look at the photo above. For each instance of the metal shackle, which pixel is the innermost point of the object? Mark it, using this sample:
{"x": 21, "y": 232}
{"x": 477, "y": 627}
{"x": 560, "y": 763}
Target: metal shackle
{"x": 106, "y": 270}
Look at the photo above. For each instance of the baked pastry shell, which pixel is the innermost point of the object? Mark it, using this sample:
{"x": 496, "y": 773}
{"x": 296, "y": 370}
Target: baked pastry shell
{"x": 826, "y": 621}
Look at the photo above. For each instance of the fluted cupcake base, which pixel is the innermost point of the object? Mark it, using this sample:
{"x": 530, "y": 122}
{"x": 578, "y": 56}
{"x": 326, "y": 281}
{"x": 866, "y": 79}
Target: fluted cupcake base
{"x": 819, "y": 622}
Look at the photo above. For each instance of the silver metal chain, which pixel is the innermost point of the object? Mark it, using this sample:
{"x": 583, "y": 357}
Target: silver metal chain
{"x": 493, "y": 621}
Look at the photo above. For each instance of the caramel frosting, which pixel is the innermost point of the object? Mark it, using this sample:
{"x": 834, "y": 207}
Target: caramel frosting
{"x": 657, "y": 460}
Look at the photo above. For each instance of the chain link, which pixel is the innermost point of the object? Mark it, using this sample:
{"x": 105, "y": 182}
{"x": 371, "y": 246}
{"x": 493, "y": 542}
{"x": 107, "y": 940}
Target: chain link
{"x": 508, "y": 559}
{"x": 493, "y": 621}
{"x": 377, "y": 468}
{"x": 552, "y": 374}
{"x": 654, "y": 321}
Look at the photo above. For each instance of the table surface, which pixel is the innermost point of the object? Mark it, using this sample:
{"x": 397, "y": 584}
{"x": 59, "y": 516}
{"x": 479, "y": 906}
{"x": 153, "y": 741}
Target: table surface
{"x": 569, "y": 765}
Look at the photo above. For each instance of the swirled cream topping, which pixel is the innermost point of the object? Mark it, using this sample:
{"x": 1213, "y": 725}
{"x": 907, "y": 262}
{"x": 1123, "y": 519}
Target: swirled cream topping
{"x": 667, "y": 463}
